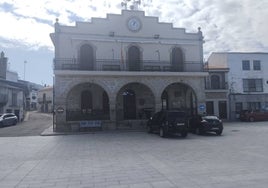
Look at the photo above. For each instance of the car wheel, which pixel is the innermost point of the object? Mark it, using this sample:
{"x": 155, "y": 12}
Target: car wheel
{"x": 149, "y": 129}
{"x": 184, "y": 134}
{"x": 15, "y": 122}
{"x": 162, "y": 132}
{"x": 251, "y": 119}
{"x": 218, "y": 133}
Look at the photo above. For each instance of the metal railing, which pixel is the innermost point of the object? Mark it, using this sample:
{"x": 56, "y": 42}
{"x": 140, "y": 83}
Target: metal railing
{"x": 120, "y": 65}
{"x": 220, "y": 86}
{"x": 81, "y": 115}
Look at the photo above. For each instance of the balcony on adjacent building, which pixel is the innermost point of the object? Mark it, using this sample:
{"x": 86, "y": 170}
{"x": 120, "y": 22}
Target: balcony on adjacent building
{"x": 216, "y": 86}
{"x": 42, "y": 100}
{"x": 120, "y": 65}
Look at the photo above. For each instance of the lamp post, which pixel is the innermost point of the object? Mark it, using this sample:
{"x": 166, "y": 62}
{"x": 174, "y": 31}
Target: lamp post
{"x": 24, "y": 73}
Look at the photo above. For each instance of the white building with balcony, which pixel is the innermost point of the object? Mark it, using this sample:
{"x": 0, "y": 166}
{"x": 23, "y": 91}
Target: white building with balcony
{"x": 120, "y": 69}
{"x": 247, "y": 79}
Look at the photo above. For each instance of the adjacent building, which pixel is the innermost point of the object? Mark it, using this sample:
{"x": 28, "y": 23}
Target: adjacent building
{"x": 120, "y": 69}
{"x": 247, "y": 79}
{"x": 45, "y": 100}
{"x": 217, "y": 90}
{"x": 11, "y": 91}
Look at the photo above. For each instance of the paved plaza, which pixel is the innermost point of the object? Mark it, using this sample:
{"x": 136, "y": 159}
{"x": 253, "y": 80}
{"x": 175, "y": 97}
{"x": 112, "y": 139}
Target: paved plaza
{"x": 238, "y": 158}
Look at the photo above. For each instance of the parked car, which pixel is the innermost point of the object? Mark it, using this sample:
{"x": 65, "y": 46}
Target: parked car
{"x": 168, "y": 122}
{"x": 202, "y": 124}
{"x": 253, "y": 115}
{"x": 8, "y": 119}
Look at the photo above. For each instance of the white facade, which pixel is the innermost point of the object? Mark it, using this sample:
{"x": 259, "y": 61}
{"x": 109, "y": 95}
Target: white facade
{"x": 103, "y": 65}
{"x": 45, "y": 100}
{"x": 11, "y": 92}
{"x": 12, "y": 76}
{"x": 248, "y": 85}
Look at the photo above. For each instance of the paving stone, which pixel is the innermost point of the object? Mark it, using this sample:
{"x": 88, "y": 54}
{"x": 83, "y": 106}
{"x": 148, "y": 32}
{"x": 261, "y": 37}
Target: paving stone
{"x": 138, "y": 160}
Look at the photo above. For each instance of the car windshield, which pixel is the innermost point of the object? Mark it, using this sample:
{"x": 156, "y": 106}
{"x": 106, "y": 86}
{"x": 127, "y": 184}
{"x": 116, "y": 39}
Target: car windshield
{"x": 210, "y": 117}
{"x": 175, "y": 115}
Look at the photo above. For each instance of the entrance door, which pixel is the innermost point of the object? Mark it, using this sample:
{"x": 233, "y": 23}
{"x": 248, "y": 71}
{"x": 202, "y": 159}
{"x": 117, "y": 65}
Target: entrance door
{"x": 86, "y": 102}
{"x": 105, "y": 102}
{"x": 86, "y": 57}
{"x": 210, "y": 107}
{"x": 177, "y": 60}
{"x": 129, "y": 99}
{"x": 222, "y": 109}
{"x": 133, "y": 59}
{"x": 164, "y": 99}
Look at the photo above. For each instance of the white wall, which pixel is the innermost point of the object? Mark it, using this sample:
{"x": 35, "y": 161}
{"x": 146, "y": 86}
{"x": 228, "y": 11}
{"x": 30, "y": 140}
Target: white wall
{"x": 236, "y": 74}
{"x": 12, "y": 76}
{"x": 96, "y": 33}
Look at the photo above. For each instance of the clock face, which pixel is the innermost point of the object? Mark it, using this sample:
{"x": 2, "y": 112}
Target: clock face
{"x": 134, "y": 24}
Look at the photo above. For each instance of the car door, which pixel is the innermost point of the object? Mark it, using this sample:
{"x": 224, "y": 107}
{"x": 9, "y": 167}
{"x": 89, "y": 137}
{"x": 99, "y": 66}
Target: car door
{"x": 9, "y": 119}
{"x": 5, "y": 120}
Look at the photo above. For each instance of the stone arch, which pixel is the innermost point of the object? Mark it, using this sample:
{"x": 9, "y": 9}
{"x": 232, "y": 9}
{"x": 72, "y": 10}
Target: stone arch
{"x": 75, "y": 82}
{"x": 85, "y": 101}
{"x": 179, "y": 96}
{"x": 141, "y": 108}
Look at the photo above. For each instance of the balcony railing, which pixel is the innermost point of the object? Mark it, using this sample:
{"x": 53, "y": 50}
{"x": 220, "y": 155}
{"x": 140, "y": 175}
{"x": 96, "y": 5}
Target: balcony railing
{"x": 42, "y": 100}
{"x": 119, "y": 65}
{"x": 220, "y": 86}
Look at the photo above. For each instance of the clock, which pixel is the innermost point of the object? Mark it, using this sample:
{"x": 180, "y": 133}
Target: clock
{"x": 134, "y": 24}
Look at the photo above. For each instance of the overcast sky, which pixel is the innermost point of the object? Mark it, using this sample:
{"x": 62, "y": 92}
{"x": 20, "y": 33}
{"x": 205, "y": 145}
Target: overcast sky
{"x": 227, "y": 25}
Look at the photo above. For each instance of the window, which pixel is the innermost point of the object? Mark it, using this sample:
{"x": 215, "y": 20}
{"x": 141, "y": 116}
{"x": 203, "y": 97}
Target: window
{"x": 210, "y": 107}
{"x": 254, "y": 105}
{"x": 265, "y": 107}
{"x": 252, "y": 85}
{"x": 256, "y": 65}
{"x": 14, "y": 99}
{"x": 215, "y": 82}
{"x": 238, "y": 106}
{"x": 245, "y": 65}
{"x": 177, "y": 60}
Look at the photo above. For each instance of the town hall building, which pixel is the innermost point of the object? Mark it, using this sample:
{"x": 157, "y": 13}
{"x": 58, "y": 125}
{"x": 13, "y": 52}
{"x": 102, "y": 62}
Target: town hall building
{"x": 115, "y": 72}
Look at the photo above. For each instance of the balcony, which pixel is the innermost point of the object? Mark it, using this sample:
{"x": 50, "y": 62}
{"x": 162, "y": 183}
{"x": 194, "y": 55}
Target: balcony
{"x": 218, "y": 86}
{"x": 42, "y": 100}
{"x": 118, "y": 65}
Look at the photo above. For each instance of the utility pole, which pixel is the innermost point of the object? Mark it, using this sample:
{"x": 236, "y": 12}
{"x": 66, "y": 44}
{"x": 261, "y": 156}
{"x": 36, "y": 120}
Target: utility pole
{"x": 24, "y": 69}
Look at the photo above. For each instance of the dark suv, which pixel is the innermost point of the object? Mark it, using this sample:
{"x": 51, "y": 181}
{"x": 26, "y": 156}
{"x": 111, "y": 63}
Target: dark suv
{"x": 168, "y": 122}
